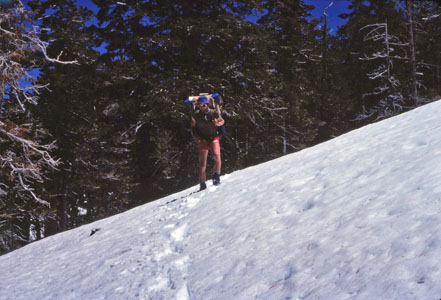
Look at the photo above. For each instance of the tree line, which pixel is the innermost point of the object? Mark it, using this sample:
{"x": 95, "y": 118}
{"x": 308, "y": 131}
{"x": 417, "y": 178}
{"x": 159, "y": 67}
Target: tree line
{"x": 104, "y": 127}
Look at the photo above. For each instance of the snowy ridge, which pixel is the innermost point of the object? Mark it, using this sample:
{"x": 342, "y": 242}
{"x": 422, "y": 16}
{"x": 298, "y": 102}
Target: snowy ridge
{"x": 357, "y": 217}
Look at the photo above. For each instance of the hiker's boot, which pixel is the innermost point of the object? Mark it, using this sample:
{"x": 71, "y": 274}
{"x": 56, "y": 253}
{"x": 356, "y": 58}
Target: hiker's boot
{"x": 216, "y": 178}
{"x": 203, "y": 186}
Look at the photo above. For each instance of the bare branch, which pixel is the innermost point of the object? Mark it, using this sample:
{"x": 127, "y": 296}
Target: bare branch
{"x": 26, "y": 160}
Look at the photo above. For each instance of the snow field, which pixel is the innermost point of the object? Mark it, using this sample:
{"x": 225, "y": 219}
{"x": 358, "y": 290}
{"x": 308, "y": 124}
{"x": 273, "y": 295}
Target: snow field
{"x": 357, "y": 217}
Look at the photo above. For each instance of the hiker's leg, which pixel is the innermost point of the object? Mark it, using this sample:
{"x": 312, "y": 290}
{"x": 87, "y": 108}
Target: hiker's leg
{"x": 215, "y": 149}
{"x": 202, "y": 153}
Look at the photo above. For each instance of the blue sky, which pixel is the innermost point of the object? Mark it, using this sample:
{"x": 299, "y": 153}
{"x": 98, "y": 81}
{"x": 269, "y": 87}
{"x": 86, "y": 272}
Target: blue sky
{"x": 338, "y": 7}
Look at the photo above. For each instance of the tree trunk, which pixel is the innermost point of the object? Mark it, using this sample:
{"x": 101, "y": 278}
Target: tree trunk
{"x": 61, "y": 207}
{"x": 324, "y": 79}
{"x": 437, "y": 74}
{"x": 284, "y": 136}
{"x": 61, "y": 213}
{"x": 38, "y": 229}
{"x": 388, "y": 60}
{"x": 413, "y": 79}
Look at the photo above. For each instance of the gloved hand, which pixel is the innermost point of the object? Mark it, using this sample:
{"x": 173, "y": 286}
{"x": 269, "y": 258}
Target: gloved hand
{"x": 216, "y": 98}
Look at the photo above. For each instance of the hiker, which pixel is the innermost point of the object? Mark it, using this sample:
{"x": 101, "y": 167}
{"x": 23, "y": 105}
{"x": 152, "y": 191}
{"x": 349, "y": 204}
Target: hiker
{"x": 204, "y": 128}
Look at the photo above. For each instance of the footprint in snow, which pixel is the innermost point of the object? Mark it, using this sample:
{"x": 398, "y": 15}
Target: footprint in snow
{"x": 180, "y": 233}
{"x": 192, "y": 201}
{"x": 183, "y": 293}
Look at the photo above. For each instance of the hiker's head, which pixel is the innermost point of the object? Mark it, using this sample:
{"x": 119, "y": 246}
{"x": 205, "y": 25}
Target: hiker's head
{"x": 203, "y": 101}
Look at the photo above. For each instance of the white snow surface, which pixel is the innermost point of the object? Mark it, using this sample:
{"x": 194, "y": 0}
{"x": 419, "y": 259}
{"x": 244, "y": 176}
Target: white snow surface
{"x": 357, "y": 217}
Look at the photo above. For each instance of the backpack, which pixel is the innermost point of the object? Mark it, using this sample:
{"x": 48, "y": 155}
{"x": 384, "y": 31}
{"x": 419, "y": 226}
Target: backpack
{"x": 215, "y": 103}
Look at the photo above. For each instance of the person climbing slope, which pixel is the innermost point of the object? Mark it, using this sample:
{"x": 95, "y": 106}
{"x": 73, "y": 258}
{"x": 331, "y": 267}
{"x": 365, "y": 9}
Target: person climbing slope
{"x": 204, "y": 127}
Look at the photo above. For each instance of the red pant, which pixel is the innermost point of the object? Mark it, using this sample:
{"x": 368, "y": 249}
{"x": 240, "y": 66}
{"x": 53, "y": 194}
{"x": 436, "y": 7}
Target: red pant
{"x": 206, "y": 145}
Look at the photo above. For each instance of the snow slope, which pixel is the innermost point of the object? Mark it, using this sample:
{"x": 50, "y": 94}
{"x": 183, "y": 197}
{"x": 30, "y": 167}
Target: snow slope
{"x": 357, "y": 217}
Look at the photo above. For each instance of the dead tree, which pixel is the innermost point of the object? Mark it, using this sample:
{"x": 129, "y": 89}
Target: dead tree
{"x": 387, "y": 96}
{"x": 23, "y": 158}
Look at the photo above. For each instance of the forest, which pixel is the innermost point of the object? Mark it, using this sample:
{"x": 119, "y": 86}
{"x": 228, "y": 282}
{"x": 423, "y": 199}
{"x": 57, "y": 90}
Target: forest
{"x": 92, "y": 116}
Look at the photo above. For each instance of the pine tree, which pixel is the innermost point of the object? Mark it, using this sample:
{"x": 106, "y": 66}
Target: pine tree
{"x": 423, "y": 57}
{"x": 388, "y": 94}
{"x": 162, "y": 42}
{"x": 373, "y": 39}
{"x": 292, "y": 45}
{"x": 329, "y": 92}
{"x": 94, "y": 180}
{"x": 430, "y": 49}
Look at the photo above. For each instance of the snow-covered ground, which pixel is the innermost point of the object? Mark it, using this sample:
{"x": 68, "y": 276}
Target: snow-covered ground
{"x": 357, "y": 217}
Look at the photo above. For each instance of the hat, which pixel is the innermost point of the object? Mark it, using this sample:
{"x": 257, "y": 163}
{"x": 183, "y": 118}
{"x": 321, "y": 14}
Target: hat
{"x": 203, "y": 99}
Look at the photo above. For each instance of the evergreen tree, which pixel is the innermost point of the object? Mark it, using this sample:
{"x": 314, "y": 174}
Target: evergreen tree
{"x": 423, "y": 59}
{"x": 162, "y": 42}
{"x": 388, "y": 94}
{"x": 292, "y": 44}
{"x": 394, "y": 37}
{"x": 94, "y": 180}
{"x": 373, "y": 38}
{"x": 328, "y": 91}
{"x": 429, "y": 48}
